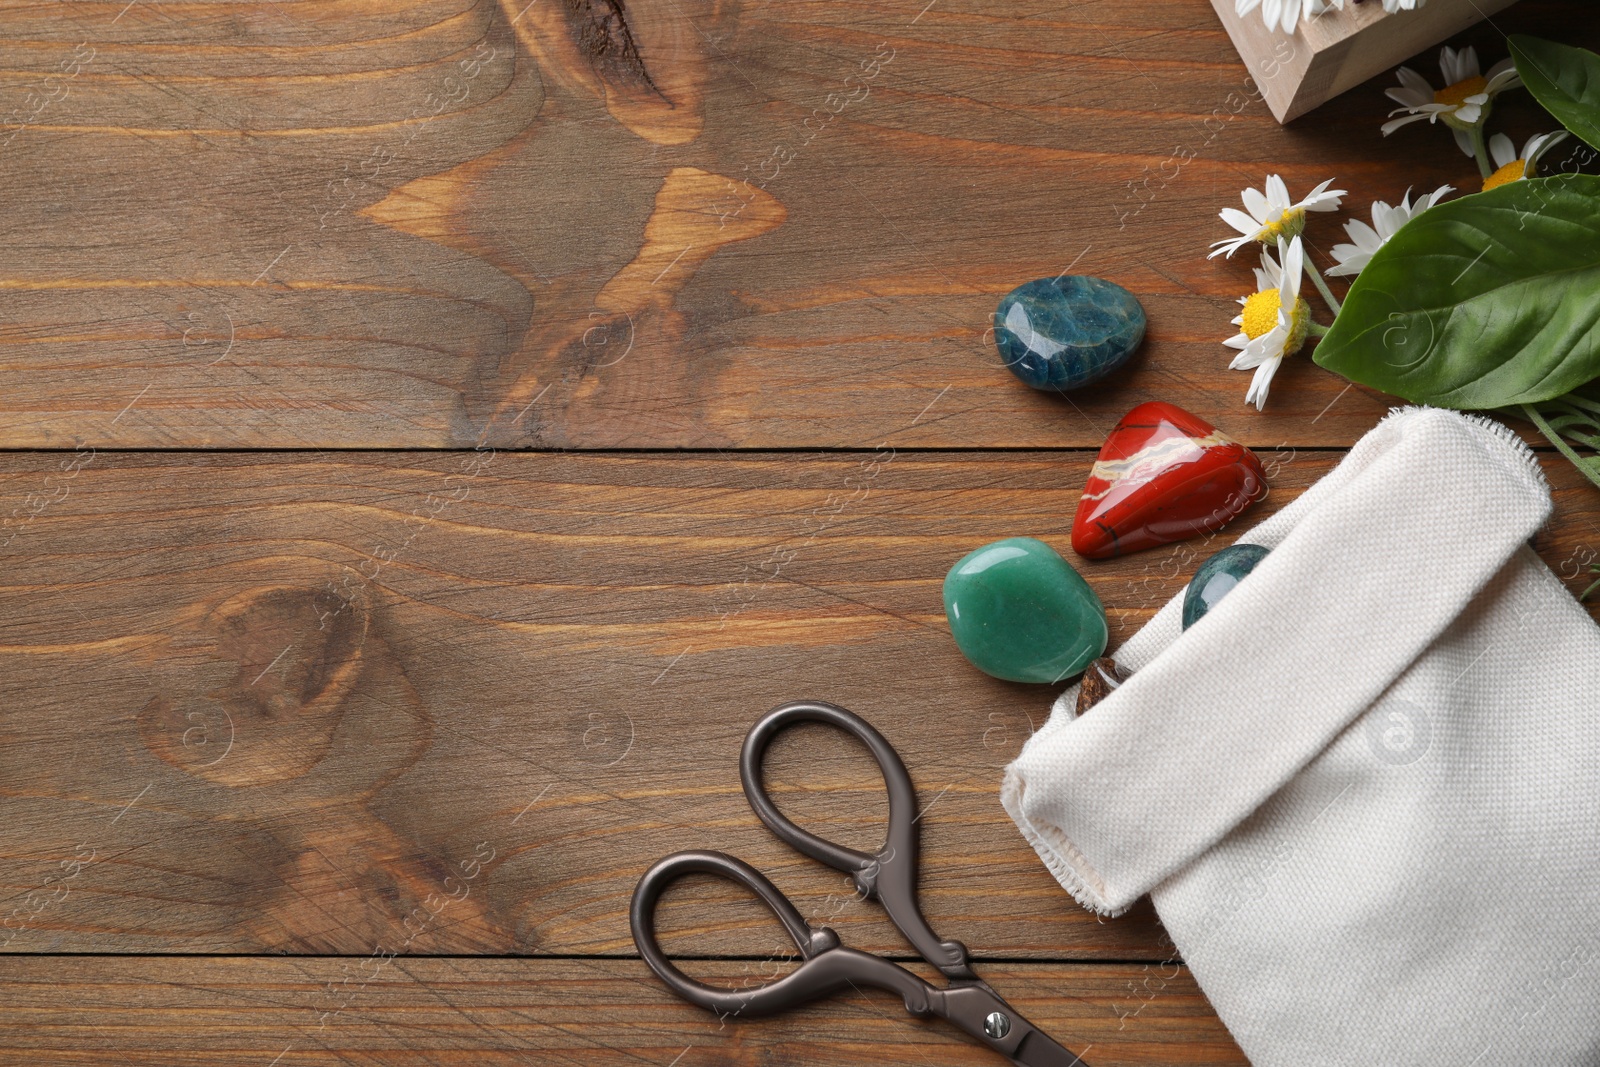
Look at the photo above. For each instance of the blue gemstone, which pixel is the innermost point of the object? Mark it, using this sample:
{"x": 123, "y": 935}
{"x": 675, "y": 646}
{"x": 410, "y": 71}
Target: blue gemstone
{"x": 1216, "y": 578}
{"x": 1060, "y": 333}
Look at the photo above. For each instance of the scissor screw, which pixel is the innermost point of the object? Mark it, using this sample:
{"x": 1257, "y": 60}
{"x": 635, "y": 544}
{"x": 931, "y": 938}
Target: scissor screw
{"x": 997, "y": 1025}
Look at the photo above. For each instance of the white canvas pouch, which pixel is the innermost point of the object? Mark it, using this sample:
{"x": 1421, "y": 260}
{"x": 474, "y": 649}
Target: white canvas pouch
{"x": 1363, "y": 791}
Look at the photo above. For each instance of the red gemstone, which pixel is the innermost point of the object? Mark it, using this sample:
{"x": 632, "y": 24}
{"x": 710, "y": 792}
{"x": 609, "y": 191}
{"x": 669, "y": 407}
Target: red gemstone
{"x": 1163, "y": 475}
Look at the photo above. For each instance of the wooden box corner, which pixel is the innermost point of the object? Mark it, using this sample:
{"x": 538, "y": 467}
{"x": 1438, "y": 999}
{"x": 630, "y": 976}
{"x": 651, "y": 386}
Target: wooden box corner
{"x": 1338, "y": 50}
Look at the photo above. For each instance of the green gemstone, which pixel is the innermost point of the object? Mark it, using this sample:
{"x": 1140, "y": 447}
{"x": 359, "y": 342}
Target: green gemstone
{"x": 1020, "y": 612}
{"x": 1216, "y": 578}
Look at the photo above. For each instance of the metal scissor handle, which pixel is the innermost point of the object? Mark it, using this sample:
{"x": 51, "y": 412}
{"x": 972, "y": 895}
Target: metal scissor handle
{"x": 828, "y": 967}
{"x": 888, "y": 875}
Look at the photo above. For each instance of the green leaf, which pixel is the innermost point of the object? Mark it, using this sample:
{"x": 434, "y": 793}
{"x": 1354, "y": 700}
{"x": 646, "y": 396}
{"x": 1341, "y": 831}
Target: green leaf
{"x": 1564, "y": 79}
{"x": 1481, "y": 302}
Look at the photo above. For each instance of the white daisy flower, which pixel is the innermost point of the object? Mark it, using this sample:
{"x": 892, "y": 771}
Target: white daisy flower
{"x": 1274, "y": 322}
{"x": 1271, "y": 215}
{"x": 1513, "y": 167}
{"x": 1283, "y": 14}
{"x": 1464, "y": 101}
{"x": 1386, "y": 222}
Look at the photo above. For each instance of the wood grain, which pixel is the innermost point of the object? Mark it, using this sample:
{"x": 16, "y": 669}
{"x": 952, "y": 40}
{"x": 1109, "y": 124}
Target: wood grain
{"x": 594, "y": 1012}
{"x": 675, "y": 223}
{"x": 342, "y": 705}
{"x": 291, "y": 703}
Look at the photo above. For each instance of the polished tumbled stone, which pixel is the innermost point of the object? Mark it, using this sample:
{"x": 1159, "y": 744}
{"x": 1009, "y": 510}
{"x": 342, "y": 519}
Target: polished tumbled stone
{"x": 1100, "y": 680}
{"x": 1020, "y": 612}
{"x": 1163, "y": 475}
{"x": 1060, "y": 333}
{"x": 1217, "y": 577}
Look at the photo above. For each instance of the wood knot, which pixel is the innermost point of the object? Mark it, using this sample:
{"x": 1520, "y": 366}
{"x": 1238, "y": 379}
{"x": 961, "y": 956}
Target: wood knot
{"x": 285, "y": 665}
{"x": 601, "y": 31}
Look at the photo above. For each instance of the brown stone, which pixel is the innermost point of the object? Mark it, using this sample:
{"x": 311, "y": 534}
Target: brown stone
{"x": 1099, "y": 679}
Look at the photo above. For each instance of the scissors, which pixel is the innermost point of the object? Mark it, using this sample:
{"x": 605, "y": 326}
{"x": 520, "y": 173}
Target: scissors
{"x": 888, "y": 875}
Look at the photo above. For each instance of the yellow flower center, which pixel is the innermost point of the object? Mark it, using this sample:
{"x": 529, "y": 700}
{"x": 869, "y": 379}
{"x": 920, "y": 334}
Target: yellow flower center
{"x": 1517, "y": 168}
{"x": 1289, "y": 224}
{"x": 1261, "y": 313}
{"x": 1456, "y": 95}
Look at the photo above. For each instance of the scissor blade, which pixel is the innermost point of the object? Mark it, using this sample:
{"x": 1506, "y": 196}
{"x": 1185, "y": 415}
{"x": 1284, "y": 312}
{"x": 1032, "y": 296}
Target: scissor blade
{"x": 979, "y": 1011}
{"x": 1037, "y": 1050}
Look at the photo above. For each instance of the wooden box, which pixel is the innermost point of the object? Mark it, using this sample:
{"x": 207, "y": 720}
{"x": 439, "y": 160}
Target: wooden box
{"x": 1338, "y": 50}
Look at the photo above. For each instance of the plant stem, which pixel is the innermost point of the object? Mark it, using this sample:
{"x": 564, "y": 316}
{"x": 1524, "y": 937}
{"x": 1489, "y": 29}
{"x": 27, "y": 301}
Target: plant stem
{"x": 1315, "y": 329}
{"x": 1584, "y": 403}
{"x": 1479, "y": 151}
{"x": 1322, "y": 286}
{"x": 1533, "y": 416}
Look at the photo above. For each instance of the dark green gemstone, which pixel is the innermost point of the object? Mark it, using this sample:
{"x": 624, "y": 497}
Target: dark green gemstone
{"x": 1216, "y": 578}
{"x": 1060, "y": 333}
{"x": 1020, "y": 612}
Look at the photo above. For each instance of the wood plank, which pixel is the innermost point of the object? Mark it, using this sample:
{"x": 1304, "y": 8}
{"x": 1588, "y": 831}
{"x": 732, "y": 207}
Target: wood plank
{"x": 80, "y": 1010}
{"x": 682, "y": 223}
{"x": 279, "y": 702}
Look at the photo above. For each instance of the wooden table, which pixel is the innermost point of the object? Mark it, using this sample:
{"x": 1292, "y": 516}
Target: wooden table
{"x": 436, "y": 431}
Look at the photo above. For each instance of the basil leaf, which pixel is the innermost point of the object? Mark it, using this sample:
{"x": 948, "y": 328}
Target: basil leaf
{"x": 1564, "y": 79}
{"x": 1480, "y": 302}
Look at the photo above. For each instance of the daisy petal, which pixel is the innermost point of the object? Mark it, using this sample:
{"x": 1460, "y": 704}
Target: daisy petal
{"x": 1228, "y": 247}
{"x": 1394, "y": 124}
{"x": 1277, "y": 193}
{"x": 1269, "y": 272}
{"x": 1350, "y": 261}
{"x": 1410, "y": 79}
{"x": 1240, "y": 221}
{"x": 1408, "y": 98}
{"x": 1501, "y": 150}
{"x": 1293, "y": 267}
{"x": 1262, "y": 381}
{"x": 1364, "y": 237}
{"x": 1251, "y": 358}
{"x": 1539, "y": 144}
{"x": 1509, "y": 79}
{"x": 1430, "y": 110}
{"x": 1448, "y": 65}
{"x": 1386, "y": 220}
{"x": 1255, "y": 202}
